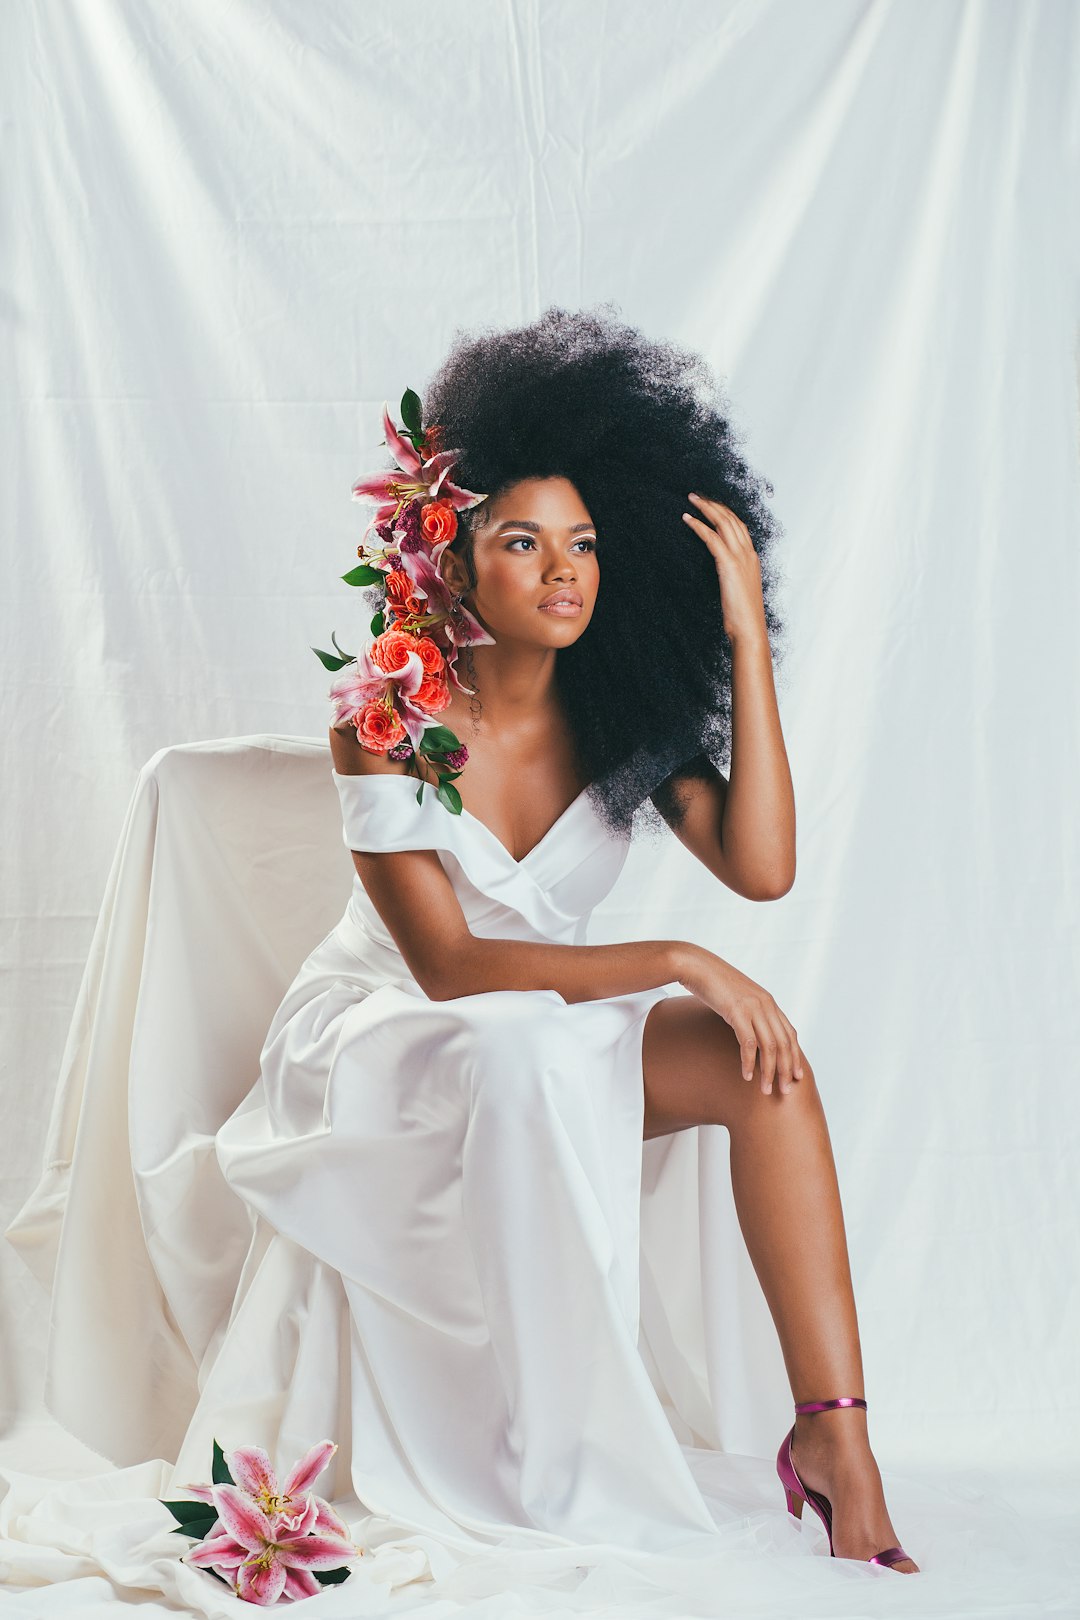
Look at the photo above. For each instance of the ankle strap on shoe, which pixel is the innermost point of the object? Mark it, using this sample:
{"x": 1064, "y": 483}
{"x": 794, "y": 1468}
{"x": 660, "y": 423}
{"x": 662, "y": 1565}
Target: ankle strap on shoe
{"x": 823, "y": 1406}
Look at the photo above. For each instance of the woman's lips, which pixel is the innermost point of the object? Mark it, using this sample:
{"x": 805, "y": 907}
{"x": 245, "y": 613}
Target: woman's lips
{"x": 567, "y": 604}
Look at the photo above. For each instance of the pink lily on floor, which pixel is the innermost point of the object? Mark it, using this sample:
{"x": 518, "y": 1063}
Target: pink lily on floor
{"x": 267, "y": 1558}
{"x": 227, "y": 1554}
{"x": 254, "y": 1473}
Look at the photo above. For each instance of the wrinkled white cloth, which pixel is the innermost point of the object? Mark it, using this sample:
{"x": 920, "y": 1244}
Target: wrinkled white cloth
{"x": 461, "y": 1262}
{"x": 471, "y": 1168}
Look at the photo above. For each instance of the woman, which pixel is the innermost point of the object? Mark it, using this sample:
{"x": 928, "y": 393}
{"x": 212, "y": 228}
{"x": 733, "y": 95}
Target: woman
{"x": 456, "y": 1088}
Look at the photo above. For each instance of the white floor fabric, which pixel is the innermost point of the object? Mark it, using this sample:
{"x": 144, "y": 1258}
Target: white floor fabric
{"x": 988, "y": 1546}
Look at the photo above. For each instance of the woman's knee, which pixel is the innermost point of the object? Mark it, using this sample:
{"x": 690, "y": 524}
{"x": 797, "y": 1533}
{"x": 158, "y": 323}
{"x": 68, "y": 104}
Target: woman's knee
{"x": 694, "y": 1072}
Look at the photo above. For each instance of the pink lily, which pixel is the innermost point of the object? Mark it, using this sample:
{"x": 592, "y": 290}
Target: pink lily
{"x": 454, "y": 625}
{"x": 264, "y": 1557}
{"x": 427, "y": 478}
{"x": 352, "y": 690}
{"x": 459, "y": 625}
{"x": 255, "y": 1474}
{"x": 416, "y": 721}
{"x": 363, "y": 682}
{"x": 227, "y": 1555}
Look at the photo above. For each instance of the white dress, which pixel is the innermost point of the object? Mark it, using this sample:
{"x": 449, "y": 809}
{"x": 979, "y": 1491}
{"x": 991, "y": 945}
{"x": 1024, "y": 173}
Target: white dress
{"x": 472, "y": 1170}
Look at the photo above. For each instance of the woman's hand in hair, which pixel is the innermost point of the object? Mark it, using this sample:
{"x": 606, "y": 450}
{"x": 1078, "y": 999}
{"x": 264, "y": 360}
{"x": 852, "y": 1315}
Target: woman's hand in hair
{"x": 737, "y": 566}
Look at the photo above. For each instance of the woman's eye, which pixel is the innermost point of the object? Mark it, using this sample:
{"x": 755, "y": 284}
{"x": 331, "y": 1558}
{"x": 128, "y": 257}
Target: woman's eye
{"x": 528, "y": 540}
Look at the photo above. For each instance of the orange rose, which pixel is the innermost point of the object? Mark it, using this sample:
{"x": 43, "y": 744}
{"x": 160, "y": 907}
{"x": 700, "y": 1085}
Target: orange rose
{"x": 391, "y": 650}
{"x": 399, "y": 593}
{"x": 430, "y": 656}
{"x": 438, "y": 521}
{"x": 378, "y": 728}
{"x": 432, "y": 695}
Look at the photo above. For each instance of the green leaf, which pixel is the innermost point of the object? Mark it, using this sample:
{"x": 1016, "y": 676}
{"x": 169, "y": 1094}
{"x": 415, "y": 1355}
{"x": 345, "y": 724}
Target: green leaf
{"x": 363, "y": 574}
{"x": 219, "y": 1474}
{"x": 198, "y": 1529}
{"x": 411, "y": 411}
{"x": 347, "y": 656}
{"x": 420, "y": 793}
{"x": 193, "y": 1518}
{"x": 329, "y": 660}
{"x": 449, "y": 796}
{"x": 438, "y": 740}
{"x": 332, "y": 1577}
{"x": 378, "y": 624}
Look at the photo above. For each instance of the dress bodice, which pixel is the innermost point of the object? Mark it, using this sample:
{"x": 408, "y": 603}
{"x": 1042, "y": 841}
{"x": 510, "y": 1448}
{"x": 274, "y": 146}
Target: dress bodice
{"x": 548, "y": 895}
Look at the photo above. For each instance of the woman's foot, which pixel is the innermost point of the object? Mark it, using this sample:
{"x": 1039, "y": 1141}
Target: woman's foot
{"x": 837, "y": 1461}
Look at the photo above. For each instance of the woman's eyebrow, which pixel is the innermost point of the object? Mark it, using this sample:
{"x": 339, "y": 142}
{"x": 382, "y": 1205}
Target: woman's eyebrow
{"x": 537, "y": 528}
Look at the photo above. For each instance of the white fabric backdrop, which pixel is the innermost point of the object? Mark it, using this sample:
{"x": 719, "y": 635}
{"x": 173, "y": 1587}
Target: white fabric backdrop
{"x": 231, "y": 232}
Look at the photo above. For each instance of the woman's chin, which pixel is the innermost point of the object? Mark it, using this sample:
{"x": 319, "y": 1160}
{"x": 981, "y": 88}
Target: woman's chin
{"x": 543, "y": 629}
{"x": 559, "y": 629}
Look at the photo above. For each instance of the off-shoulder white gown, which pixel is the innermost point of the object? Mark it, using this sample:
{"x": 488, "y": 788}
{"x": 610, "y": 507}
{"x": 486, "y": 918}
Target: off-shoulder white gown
{"x": 472, "y": 1169}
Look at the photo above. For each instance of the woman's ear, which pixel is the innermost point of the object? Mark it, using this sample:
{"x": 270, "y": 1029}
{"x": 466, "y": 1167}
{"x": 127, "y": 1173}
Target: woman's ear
{"x": 452, "y": 570}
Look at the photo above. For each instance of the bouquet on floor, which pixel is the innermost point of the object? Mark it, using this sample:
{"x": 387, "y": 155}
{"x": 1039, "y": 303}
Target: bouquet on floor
{"x": 400, "y": 683}
{"x": 266, "y": 1541}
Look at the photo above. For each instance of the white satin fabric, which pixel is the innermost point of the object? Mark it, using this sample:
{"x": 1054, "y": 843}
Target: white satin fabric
{"x": 427, "y": 1230}
{"x": 472, "y": 1169}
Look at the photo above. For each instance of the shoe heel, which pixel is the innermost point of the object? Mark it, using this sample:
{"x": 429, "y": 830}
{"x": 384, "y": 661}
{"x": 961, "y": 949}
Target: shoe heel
{"x": 820, "y": 1503}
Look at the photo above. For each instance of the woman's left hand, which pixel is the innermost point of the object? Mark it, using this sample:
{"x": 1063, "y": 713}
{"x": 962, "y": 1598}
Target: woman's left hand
{"x": 737, "y": 566}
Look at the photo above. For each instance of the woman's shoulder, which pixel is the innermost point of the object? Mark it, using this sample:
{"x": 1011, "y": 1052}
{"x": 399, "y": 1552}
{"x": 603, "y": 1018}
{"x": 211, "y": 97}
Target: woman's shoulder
{"x": 350, "y": 759}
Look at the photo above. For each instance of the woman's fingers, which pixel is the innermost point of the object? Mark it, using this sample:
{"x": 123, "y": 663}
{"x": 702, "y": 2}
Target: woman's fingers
{"x": 783, "y": 1055}
{"x": 747, "y": 1039}
{"x": 767, "y": 1047}
{"x": 796, "y": 1049}
{"x": 779, "y": 1050}
{"x": 767, "y": 1039}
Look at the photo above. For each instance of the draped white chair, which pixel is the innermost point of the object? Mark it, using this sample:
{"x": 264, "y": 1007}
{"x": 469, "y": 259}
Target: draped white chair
{"x": 230, "y": 867}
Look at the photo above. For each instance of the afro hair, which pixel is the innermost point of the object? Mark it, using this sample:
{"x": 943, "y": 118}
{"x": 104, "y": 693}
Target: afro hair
{"x": 634, "y": 424}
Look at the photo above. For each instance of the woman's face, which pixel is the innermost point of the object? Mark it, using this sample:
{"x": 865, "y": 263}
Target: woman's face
{"x": 536, "y": 545}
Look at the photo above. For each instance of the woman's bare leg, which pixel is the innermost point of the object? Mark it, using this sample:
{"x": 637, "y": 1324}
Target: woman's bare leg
{"x": 787, "y": 1197}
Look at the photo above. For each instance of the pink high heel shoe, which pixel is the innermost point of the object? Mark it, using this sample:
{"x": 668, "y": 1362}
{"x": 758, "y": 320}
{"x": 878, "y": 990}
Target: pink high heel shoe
{"x": 798, "y": 1493}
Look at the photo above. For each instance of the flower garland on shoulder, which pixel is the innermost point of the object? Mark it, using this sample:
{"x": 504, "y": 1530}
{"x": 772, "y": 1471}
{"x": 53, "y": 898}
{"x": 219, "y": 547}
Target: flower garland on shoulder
{"x": 401, "y": 681}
